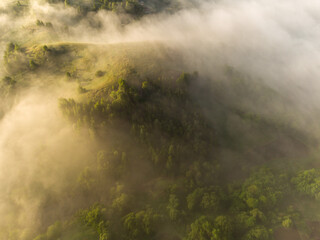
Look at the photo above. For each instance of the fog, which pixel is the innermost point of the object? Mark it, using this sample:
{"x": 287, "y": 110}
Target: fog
{"x": 275, "y": 42}
{"x": 39, "y": 154}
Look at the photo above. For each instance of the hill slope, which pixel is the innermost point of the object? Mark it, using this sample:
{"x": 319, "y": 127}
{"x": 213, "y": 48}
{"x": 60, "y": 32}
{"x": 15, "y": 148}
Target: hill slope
{"x": 171, "y": 155}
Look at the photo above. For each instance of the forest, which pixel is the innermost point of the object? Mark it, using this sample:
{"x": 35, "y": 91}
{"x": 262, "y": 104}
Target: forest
{"x": 150, "y": 120}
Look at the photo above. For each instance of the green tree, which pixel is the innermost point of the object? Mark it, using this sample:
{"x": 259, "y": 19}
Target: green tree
{"x": 201, "y": 229}
{"x": 194, "y": 198}
{"x": 222, "y": 229}
{"x": 141, "y": 225}
{"x": 308, "y": 182}
{"x": 257, "y": 233}
{"x": 95, "y": 219}
{"x": 172, "y": 207}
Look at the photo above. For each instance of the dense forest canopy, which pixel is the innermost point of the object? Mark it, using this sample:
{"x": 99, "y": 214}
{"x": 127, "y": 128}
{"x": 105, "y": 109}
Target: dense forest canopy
{"x": 159, "y": 120}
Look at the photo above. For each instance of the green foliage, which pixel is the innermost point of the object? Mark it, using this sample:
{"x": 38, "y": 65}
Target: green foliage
{"x": 12, "y": 50}
{"x": 81, "y": 90}
{"x": 262, "y": 190}
{"x": 258, "y": 233}
{"x": 308, "y": 182}
{"x": 133, "y": 8}
{"x": 94, "y": 218}
{"x": 54, "y": 231}
{"x": 8, "y": 81}
{"x": 121, "y": 203}
{"x": 141, "y": 225}
{"x": 203, "y": 199}
{"x": 287, "y": 222}
{"x": 210, "y": 201}
{"x": 201, "y": 229}
{"x": 176, "y": 138}
{"x": 48, "y": 25}
{"x": 32, "y": 64}
{"x": 222, "y": 229}
{"x": 39, "y": 23}
{"x": 194, "y": 198}
{"x": 10, "y": 47}
{"x": 172, "y": 207}
{"x": 99, "y": 73}
{"x": 68, "y": 74}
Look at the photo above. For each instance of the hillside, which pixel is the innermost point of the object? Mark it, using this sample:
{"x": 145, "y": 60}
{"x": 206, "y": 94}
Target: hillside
{"x": 165, "y": 163}
{"x": 137, "y": 140}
